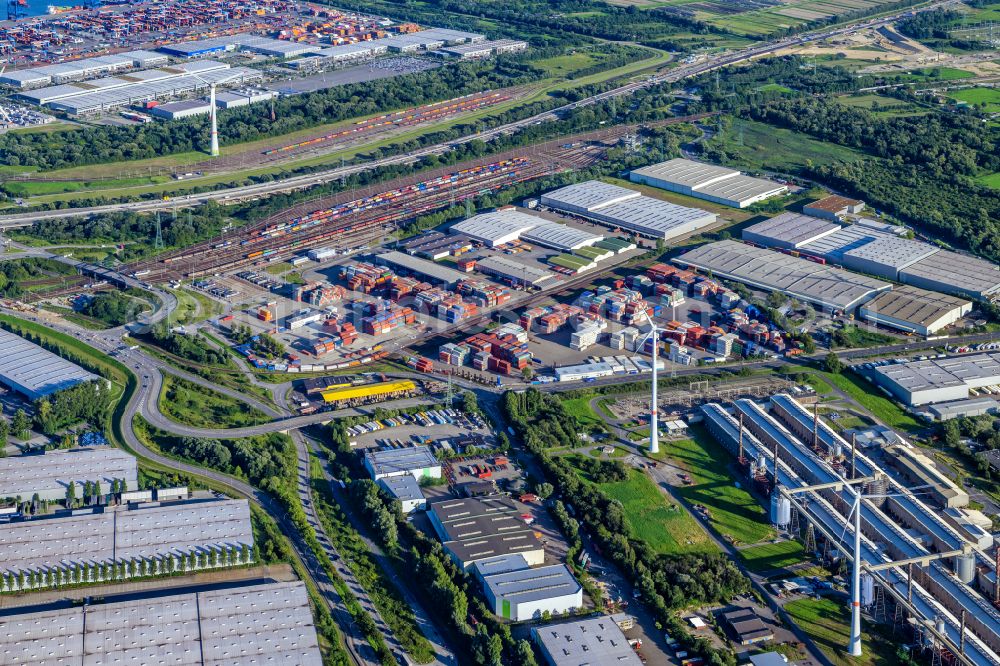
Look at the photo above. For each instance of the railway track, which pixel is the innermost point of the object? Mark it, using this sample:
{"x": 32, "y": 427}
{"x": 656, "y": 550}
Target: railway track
{"x": 347, "y": 217}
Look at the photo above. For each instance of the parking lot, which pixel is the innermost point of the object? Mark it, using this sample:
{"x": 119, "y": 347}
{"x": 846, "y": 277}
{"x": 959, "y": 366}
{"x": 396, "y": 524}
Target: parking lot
{"x": 447, "y": 430}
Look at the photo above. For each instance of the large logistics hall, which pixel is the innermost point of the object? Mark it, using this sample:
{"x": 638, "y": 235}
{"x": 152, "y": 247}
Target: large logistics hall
{"x": 872, "y": 247}
{"x": 121, "y": 535}
{"x": 708, "y": 181}
{"x": 514, "y": 272}
{"x": 497, "y": 228}
{"x": 939, "y": 379}
{"x": 50, "y": 474}
{"x": 35, "y": 372}
{"x": 628, "y": 210}
{"x": 831, "y": 289}
{"x": 526, "y": 594}
{"x": 77, "y": 70}
{"x": 436, "y": 273}
{"x": 269, "y": 623}
{"x": 119, "y": 91}
{"x": 482, "y": 528}
{"x": 915, "y": 310}
{"x": 507, "y": 225}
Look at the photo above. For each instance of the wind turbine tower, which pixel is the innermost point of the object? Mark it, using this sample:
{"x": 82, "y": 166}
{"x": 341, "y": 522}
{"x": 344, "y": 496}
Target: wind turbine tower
{"x": 854, "y": 645}
{"x": 215, "y": 123}
{"x": 654, "y": 432}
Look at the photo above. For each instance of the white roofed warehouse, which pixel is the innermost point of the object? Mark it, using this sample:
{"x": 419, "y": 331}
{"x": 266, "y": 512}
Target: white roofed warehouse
{"x": 50, "y": 474}
{"x": 939, "y": 380}
{"x": 238, "y": 626}
{"x": 707, "y": 181}
{"x": 525, "y": 594}
{"x": 497, "y": 228}
{"x": 560, "y": 237}
{"x": 789, "y": 231}
{"x": 628, "y": 210}
{"x": 35, "y": 372}
{"x": 954, "y": 273}
{"x": 417, "y": 461}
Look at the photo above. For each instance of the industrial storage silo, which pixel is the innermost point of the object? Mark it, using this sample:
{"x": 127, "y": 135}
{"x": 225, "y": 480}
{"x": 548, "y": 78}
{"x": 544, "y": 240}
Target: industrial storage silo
{"x": 965, "y": 567}
{"x": 781, "y": 508}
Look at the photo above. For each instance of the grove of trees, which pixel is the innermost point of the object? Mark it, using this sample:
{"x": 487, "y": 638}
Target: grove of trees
{"x": 667, "y": 582}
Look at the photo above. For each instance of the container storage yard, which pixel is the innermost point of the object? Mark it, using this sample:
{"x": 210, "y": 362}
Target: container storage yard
{"x": 56, "y": 60}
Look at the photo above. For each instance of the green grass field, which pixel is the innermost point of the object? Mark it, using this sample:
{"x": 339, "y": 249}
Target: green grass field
{"x": 885, "y": 106}
{"x": 872, "y": 399}
{"x": 194, "y": 405}
{"x": 938, "y": 74}
{"x": 566, "y": 64}
{"x": 774, "y": 87}
{"x": 992, "y": 180}
{"x": 770, "y": 556}
{"x": 193, "y": 306}
{"x": 733, "y": 511}
{"x": 827, "y": 623}
{"x": 664, "y": 526}
{"x": 760, "y": 146}
{"x": 579, "y": 409}
{"x": 987, "y": 99}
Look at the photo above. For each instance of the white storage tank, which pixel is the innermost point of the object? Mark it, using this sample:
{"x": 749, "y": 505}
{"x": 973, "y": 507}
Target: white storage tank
{"x": 965, "y": 567}
{"x": 781, "y": 508}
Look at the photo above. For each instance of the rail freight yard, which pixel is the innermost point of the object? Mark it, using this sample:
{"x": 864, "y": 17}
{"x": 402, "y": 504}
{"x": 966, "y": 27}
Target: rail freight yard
{"x": 347, "y": 221}
{"x": 942, "y": 581}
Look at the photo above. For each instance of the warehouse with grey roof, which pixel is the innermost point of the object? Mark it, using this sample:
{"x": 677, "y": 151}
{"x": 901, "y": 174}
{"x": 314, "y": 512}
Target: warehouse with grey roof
{"x": 35, "y": 372}
{"x": 50, "y": 474}
{"x": 789, "y": 231}
{"x": 595, "y": 640}
{"x": 831, "y": 289}
{"x": 914, "y": 310}
{"x": 886, "y": 257}
{"x": 878, "y": 249}
{"x": 268, "y": 623}
{"x": 442, "y": 275}
{"x": 939, "y": 380}
{"x": 710, "y": 182}
{"x": 954, "y": 273}
{"x": 481, "y": 528}
{"x": 628, "y": 210}
{"x": 514, "y": 272}
{"x": 496, "y": 228}
{"x": 123, "y": 534}
{"x": 416, "y": 461}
